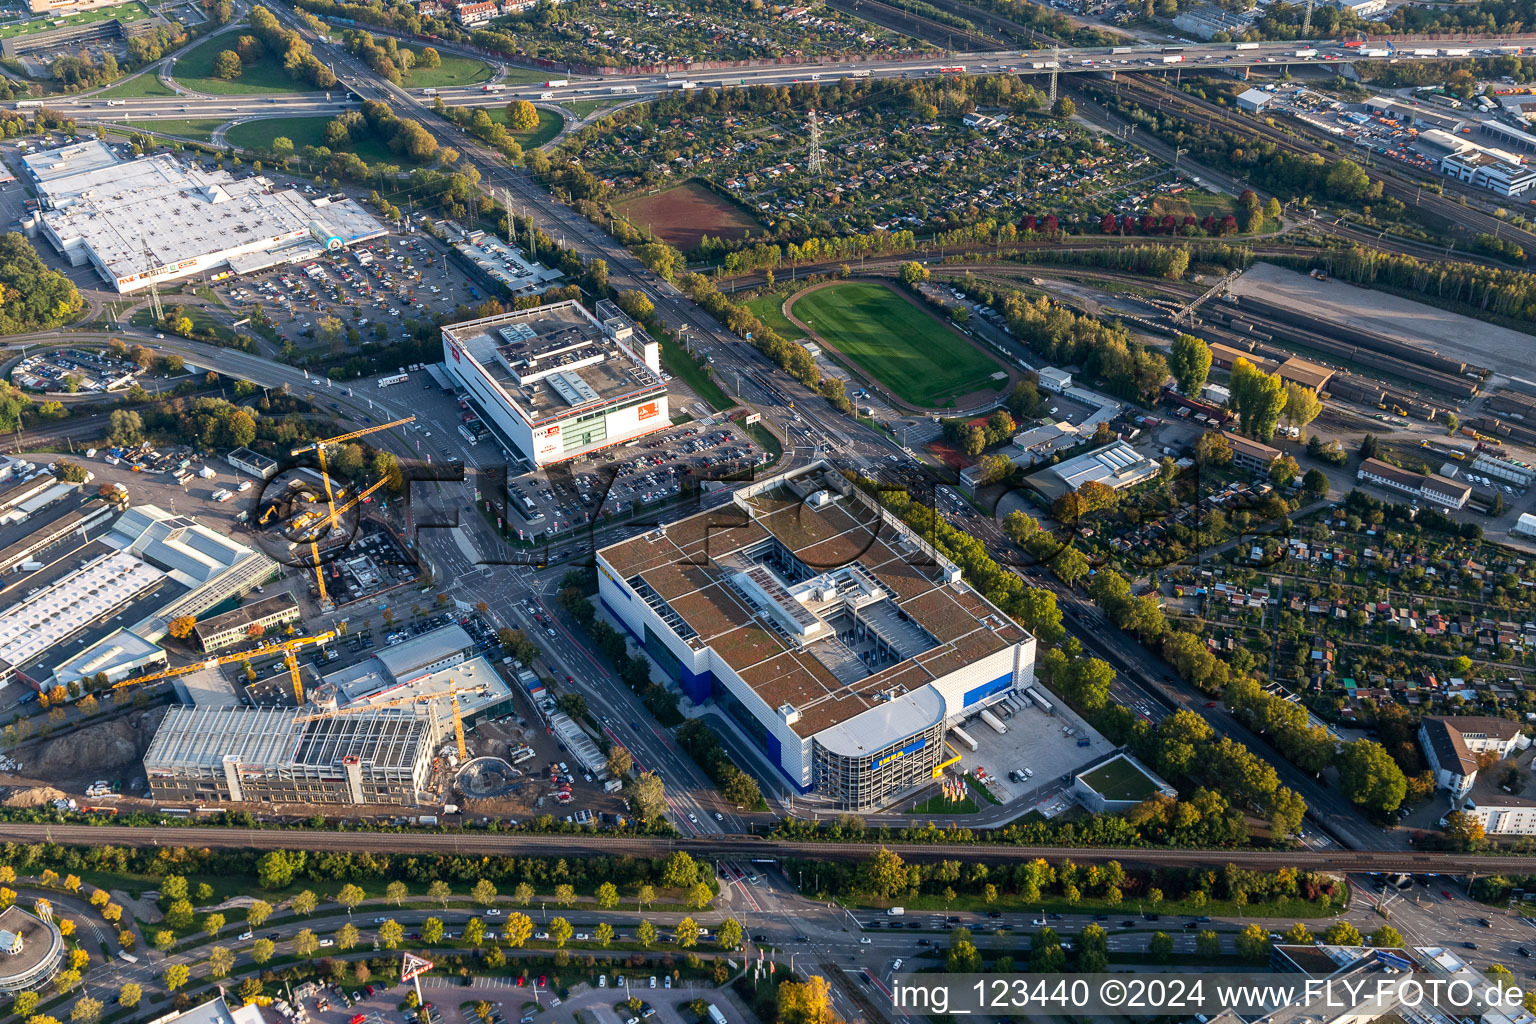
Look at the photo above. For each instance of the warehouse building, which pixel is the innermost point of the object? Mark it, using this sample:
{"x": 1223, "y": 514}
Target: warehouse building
{"x": 100, "y": 608}
{"x": 1116, "y": 465}
{"x": 247, "y": 622}
{"x": 1249, "y": 454}
{"x": 1254, "y": 100}
{"x": 556, "y": 381}
{"x": 841, "y": 643}
{"x": 156, "y": 219}
{"x": 289, "y": 755}
{"x": 254, "y": 463}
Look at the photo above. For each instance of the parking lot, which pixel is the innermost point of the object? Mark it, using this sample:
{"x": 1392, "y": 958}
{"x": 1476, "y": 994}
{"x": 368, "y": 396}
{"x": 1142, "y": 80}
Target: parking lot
{"x": 80, "y": 371}
{"x": 1037, "y": 743}
{"x": 643, "y": 473}
{"x": 372, "y": 290}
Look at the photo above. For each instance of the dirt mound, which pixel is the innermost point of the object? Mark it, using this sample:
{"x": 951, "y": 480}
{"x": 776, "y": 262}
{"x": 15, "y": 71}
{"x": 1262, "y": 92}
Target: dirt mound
{"x": 97, "y": 750}
{"x": 29, "y": 796}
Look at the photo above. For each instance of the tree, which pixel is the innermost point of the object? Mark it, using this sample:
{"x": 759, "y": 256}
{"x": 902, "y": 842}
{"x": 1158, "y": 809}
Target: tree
{"x": 645, "y": 934}
{"x": 125, "y": 427}
{"x": 561, "y": 931}
{"x": 1064, "y": 107}
{"x": 305, "y": 903}
{"x": 181, "y": 626}
{"x": 912, "y": 272}
{"x": 66, "y": 981}
{"x": 565, "y": 894}
{"x": 305, "y": 943}
{"x": 1189, "y": 360}
{"x": 474, "y": 931}
{"x": 1253, "y": 942}
{"x": 1283, "y": 470}
{"x": 484, "y": 892}
{"x": 523, "y": 894}
{"x": 163, "y": 939}
{"x": 1160, "y": 946}
{"x": 226, "y": 65}
{"x": 519, "y": 928}
{"x": 729, "y": 933}
{"x": 275, "y": 869}
{"x": 1315, "y": 482}
{"x": 645, "y": 895}
{"x": 440, "y": 891}
{"x": 636, "y": 304}
{"x": 129, "y": 995}
{"x": 1342, "y": 933}
{"x": 262, "y": 950}
{"x": 522, "y": 116}
{"x": 1213, "y": 449}
{"x": 687, "y": 933}
{"x": 1370, "y": 778}
{"x": 179, "y": 915}
{"x": 257, "y": 913}
{"x": 1347, "y": 180}
{"x": 85, "y": 1011}
{"x": 648, "y": 796}
{"x": 350, "y": 896}
{"x": 620, "y": 761}
{"x": 220, "y": 961}
{"x": 1208, "y": 944}
{"x": 1464, "y": 830}
{"x": 607, "y": 896}
{"x": 1386, "y": 937}
{"x": 1302, "y": 405}
{"x": 213, "y": 923}
{"x": 885, "y": 873}
{"x": 1258, "y": 398}
{"x": 808, "y": 1002}
{"x": 26, "y": 1002}
{"x": 428, "y": 58}
{"x": 391, "y": 934}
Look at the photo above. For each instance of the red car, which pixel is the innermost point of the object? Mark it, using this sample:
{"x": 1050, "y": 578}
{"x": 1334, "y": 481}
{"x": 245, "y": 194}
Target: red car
{"x": 1210, "y": 704}
{"x": 1447, "y": 894}
{"x": 520, "y": 981}
{"x": 541, "y": 981}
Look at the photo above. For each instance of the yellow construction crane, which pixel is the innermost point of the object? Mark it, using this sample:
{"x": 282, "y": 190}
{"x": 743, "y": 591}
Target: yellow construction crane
{"x": 319, "y": 449}
{"x": 284, "y": 647}
{"x": 325, "y": 529}
{"x": 452, "y": 693}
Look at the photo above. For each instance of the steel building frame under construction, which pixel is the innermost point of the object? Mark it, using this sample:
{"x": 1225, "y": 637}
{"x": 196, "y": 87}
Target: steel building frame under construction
{"x": 290, "y": 755}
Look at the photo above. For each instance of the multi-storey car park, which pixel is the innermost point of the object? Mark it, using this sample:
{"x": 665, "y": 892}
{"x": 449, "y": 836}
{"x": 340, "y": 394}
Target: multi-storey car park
{"x": 558, "y": 382}
{"x": 290, "y": 755}
{"x": 835, "y": 637}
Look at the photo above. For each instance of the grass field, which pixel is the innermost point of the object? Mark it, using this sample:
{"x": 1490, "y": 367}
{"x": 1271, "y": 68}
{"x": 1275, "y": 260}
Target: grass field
{"x": 919, "y": 359}
{"x": 1119, "y": 780}
{"x": 454, "y": 70}
{"x": 302, "y": 131}
{"x": 683, "y": 215}
{"x": 681, "y": 366}
{"x": 126, "y": 13}
{"x": 769, "y": 309}
{"x": 550, "y": 124}
{"x": 147, "y": 84}
{"x": 200, "y": 130}
{"x": 194, "y": 69}
{"x": 581, "y": 108}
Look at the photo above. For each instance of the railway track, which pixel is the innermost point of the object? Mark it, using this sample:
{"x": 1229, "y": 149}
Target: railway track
{"x": 752, "y": 848}
{"x": 1453, "y": 214}
{"x": 908, "y": 23}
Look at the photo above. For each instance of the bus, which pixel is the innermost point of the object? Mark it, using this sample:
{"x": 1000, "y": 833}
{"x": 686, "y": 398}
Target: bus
{"x": 399, "y": 378}
{"x": 952, "y": 69}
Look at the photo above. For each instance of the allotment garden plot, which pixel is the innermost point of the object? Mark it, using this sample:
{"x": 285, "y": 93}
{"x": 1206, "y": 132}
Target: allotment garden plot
{"x": 885, "y": 167}
{"x": 923, "y": 362}
{"x": 620, "y": 33}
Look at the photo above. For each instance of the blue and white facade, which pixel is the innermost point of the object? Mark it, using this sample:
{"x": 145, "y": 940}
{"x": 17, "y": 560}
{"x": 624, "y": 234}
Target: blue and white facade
{"x": 835, "y": 637}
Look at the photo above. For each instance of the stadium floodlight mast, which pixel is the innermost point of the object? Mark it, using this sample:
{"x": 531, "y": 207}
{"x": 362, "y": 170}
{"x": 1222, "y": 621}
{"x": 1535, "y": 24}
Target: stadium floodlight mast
{"x": 412, "y": 967}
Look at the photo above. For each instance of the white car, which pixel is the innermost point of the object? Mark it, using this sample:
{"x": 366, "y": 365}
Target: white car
{"x": 896, "y": 964}
{"x": 493, "y": 912}
{"x": 863, "y": 940}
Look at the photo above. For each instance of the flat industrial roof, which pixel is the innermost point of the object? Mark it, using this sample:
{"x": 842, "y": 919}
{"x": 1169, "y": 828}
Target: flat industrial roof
{"x": 554, "y": 360}
{"x": 402, "y": 660}
{"x": 37, "y": 622}
{"x": 475, "y": 681}
{"x": 276, "y": 738}
{"x": 691, "y": 567}
{"x": 148, "y": 215}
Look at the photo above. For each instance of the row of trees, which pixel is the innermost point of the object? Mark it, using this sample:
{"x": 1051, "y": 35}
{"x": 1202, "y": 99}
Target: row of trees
{"x": 885, "y": 875}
